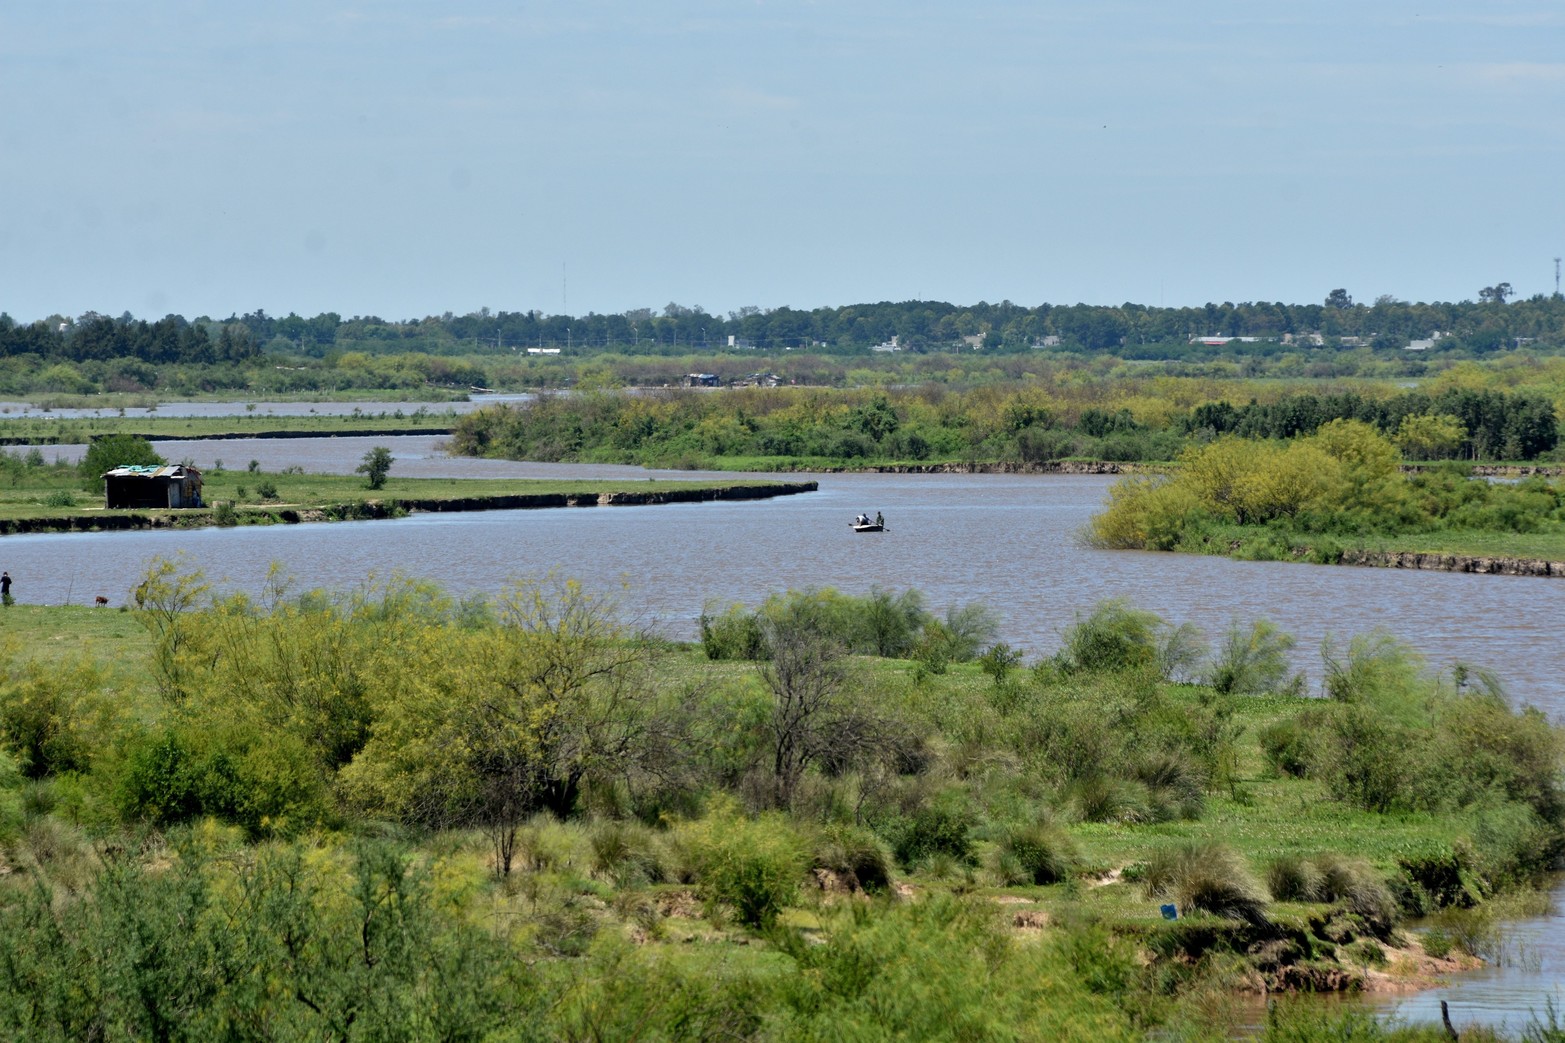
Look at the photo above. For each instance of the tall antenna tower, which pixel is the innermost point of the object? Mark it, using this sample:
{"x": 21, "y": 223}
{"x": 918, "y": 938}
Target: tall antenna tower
{"x": 1556, "y": 277}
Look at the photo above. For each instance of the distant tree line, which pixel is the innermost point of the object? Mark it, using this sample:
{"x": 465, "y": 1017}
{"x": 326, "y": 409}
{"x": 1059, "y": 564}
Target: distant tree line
{"x": 96, "y": 337}
{"x": 1130, "y": 330}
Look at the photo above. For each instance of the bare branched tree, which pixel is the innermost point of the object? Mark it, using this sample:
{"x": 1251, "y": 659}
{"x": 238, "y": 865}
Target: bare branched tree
{"x": 815, "y": 721}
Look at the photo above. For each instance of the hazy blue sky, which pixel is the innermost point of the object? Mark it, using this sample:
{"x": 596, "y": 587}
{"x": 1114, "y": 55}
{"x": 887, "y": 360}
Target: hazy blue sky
{"x": 403, "y": 159}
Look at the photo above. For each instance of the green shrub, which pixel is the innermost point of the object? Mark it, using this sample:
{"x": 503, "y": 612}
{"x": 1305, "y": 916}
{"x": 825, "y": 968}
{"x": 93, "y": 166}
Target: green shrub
{"x": 107, "y": 452}
{"x": 196, "y": 947}
{"x": 1323, "y": 550}
{"x": 1474, "y": 931}
{"x": 1255, "y": 662}
{"x": 1437, "y": 942}
{"x": 932, "y": 655}
{"x": 13, "y": 810}
{"x": 752, "y": 866}
{"x": 270, "y": 787}
{"x": 1356, "y": 886}
{"x": 60, "y": 498}
{"x": 223, "y": 513}
{"x": 999, "y": 660}
{"x": 888, "y": 623}
{"x": 1350, "y": 883}
{"x": 266, "y": 489}
{"x": 1511, "y": 842}
{"x": 1113, "y": 637}
{"x": 969, "y": 628}
{"x": 1288, "y": 747}
{"x": 733, "y": 634}
{"x": 1441, "y": 879}
{"x": 942, "y": 826}
{"x": 50, "y": 714}
{"x": 1176, "y": 785}
{"x": 908, "y": 971}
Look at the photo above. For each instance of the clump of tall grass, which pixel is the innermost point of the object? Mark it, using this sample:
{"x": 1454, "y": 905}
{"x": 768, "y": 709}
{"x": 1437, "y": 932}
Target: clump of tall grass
{"x": 1034, "y": 853}
{"x": 1288, "y": 747}
{"x": 1175, "y": 784}
{"x": 858, "y": 857}
{"x": 1292, "y": 878}
{"x": 1331, "y": 878}
{"x": 545, "y": 844}
{"x": 1102, "y": 798}
{"x": 1206, "y": 877}
{"x": 628, "y": 853}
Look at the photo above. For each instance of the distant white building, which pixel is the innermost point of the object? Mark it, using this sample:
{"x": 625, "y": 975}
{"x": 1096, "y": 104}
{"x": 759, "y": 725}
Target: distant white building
{"x": 543, "y": 351}
{"x": 1425, "y": 344}
{"x": 889, "y": 345}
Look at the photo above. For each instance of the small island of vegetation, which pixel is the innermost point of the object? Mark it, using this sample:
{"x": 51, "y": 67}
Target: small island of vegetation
{"x": 1339, "y": 495}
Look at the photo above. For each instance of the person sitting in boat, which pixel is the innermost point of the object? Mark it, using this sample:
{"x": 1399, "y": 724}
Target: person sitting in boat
{"x": 859, "y": 519}
{"x": 879, "y": 520}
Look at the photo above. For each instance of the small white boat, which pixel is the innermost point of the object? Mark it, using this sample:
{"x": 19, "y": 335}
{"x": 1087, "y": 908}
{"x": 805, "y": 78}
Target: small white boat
{"x": 869, "y": 527}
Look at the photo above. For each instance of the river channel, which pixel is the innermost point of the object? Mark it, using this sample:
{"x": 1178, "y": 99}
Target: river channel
{"x": 1009, "y": 541}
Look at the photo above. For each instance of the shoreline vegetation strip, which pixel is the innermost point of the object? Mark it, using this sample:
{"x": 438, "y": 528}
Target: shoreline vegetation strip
{"x": 370, "y": 508}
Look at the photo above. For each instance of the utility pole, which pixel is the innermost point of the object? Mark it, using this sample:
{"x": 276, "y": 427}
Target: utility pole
{"x": 1556, "y": 277}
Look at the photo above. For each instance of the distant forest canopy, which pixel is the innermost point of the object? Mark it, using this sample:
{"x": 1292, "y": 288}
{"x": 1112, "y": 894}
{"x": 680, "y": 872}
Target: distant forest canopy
{"x": 1130, "y": 331}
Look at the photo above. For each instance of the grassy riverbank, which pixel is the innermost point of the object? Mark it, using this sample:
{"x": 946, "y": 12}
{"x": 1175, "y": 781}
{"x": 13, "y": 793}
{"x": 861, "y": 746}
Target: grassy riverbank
{"x": 1461, "y": 551}
{"x": 526, "y": 815}
{"x": 47, "y": 498}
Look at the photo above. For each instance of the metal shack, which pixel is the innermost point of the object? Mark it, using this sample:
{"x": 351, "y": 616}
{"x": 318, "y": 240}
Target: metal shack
{"x": 147, "y": 485}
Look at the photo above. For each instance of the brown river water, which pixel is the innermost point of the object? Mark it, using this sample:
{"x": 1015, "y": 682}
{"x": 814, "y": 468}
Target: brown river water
{"x": 1011, "y": 542}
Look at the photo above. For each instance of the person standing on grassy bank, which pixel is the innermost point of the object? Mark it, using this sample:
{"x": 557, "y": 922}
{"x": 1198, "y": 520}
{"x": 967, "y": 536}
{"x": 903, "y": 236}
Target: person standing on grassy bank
{"x": 5, "y": 589}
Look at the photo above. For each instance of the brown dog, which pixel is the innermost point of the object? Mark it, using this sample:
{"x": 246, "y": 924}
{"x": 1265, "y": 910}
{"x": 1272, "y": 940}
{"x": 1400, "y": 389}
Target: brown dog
{"x": 100, "y": 601}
